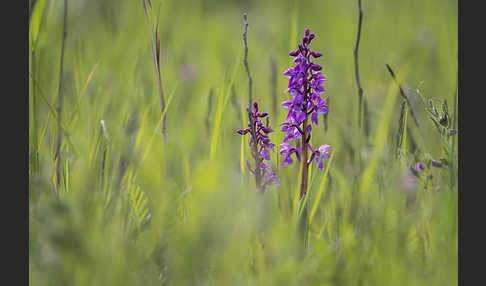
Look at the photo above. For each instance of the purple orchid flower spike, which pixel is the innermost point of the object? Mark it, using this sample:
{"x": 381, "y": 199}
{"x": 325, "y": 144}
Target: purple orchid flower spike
{"x": 261, "y": 146}
{"x": 305, "y": 86}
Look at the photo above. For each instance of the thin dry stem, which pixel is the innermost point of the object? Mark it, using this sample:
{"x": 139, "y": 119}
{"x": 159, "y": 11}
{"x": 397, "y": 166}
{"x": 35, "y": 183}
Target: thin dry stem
{"x": 400, "y": 128}
{"x": 155, "y": 58}
{"x": 402, "y": 93}
{"x": 256, "y": 155}
{"x": 356, "y": 67}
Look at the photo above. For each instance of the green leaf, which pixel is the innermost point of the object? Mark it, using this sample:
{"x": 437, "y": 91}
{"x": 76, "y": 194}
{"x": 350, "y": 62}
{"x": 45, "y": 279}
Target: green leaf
{"x": 444, "y": 161}
{"x": 322, "y": 187}
{"x": 36, "y": 21}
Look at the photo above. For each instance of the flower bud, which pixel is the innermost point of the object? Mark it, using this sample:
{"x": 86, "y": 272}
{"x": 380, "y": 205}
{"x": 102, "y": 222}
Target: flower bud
{"x": 301, "y": 49}
{"x": 267, "y": 129}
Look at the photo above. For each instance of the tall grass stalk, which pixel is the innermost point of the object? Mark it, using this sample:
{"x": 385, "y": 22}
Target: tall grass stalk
{"x": 208, "y": 111}
{"x": 356, "y": 65}
{"x": 155, "y": 47}
{"x": 379, "y": 142}
{"x": 105, "y": 151}
{"x": 36, "y": 17}
{"x": 242, "y": 147}
{"x": 53, "y": 111}
{"x": 404, "y": 96}
{"x": 402, "y": 129}
{"x": 322, "y": 188}
{"x": 223, "y": 99}
{"x": 60, "y": 99}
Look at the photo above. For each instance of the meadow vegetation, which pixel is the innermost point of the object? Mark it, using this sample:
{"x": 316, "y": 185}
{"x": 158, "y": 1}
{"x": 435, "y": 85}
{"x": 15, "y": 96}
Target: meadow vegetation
{"x": 138, "y": 177}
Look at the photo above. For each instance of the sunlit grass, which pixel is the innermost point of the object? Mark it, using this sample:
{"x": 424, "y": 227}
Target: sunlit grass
{"x": 135, "y": 209}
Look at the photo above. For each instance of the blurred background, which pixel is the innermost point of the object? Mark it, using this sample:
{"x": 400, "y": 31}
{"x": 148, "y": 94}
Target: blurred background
{"x": 135, "y": 209}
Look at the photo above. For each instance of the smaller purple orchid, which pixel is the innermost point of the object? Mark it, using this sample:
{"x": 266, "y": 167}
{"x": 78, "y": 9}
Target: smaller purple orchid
{"x": 260, "y": 145}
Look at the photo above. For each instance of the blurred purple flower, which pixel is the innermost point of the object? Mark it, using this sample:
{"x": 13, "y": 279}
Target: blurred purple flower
{"x": 419, "y": 167}
{"x": 263, "y": 170}
{"x": 435, "y": 163}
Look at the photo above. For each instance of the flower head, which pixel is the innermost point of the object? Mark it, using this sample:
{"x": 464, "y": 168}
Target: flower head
{"x": 305, "y": 85}
{"x": 263, "y": 146}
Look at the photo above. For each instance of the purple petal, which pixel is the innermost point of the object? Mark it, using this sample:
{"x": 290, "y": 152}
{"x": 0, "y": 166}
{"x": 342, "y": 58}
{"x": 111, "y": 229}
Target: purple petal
{"x": 265, "y": 154}
{"x": 287, "y": 161}
{"x": 294, "y": 53}
{"x": 300, "y": 60}
{"x": 255, "y": 105}
{"x": 323, "y": 148}
{"x": 316, "y": 67}
{"x": 315, "y": 118}
{"x": 286, "y": 104}
{"x": 242, "y": 131}
{"x": 267, "y": 129}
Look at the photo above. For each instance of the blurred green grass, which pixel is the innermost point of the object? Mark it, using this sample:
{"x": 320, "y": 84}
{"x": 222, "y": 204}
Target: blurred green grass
{"x": 207, "y": 226}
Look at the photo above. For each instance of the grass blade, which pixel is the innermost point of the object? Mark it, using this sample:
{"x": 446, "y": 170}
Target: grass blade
{"x": 380, "y": 140}
{"x": 322, "y": 187}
